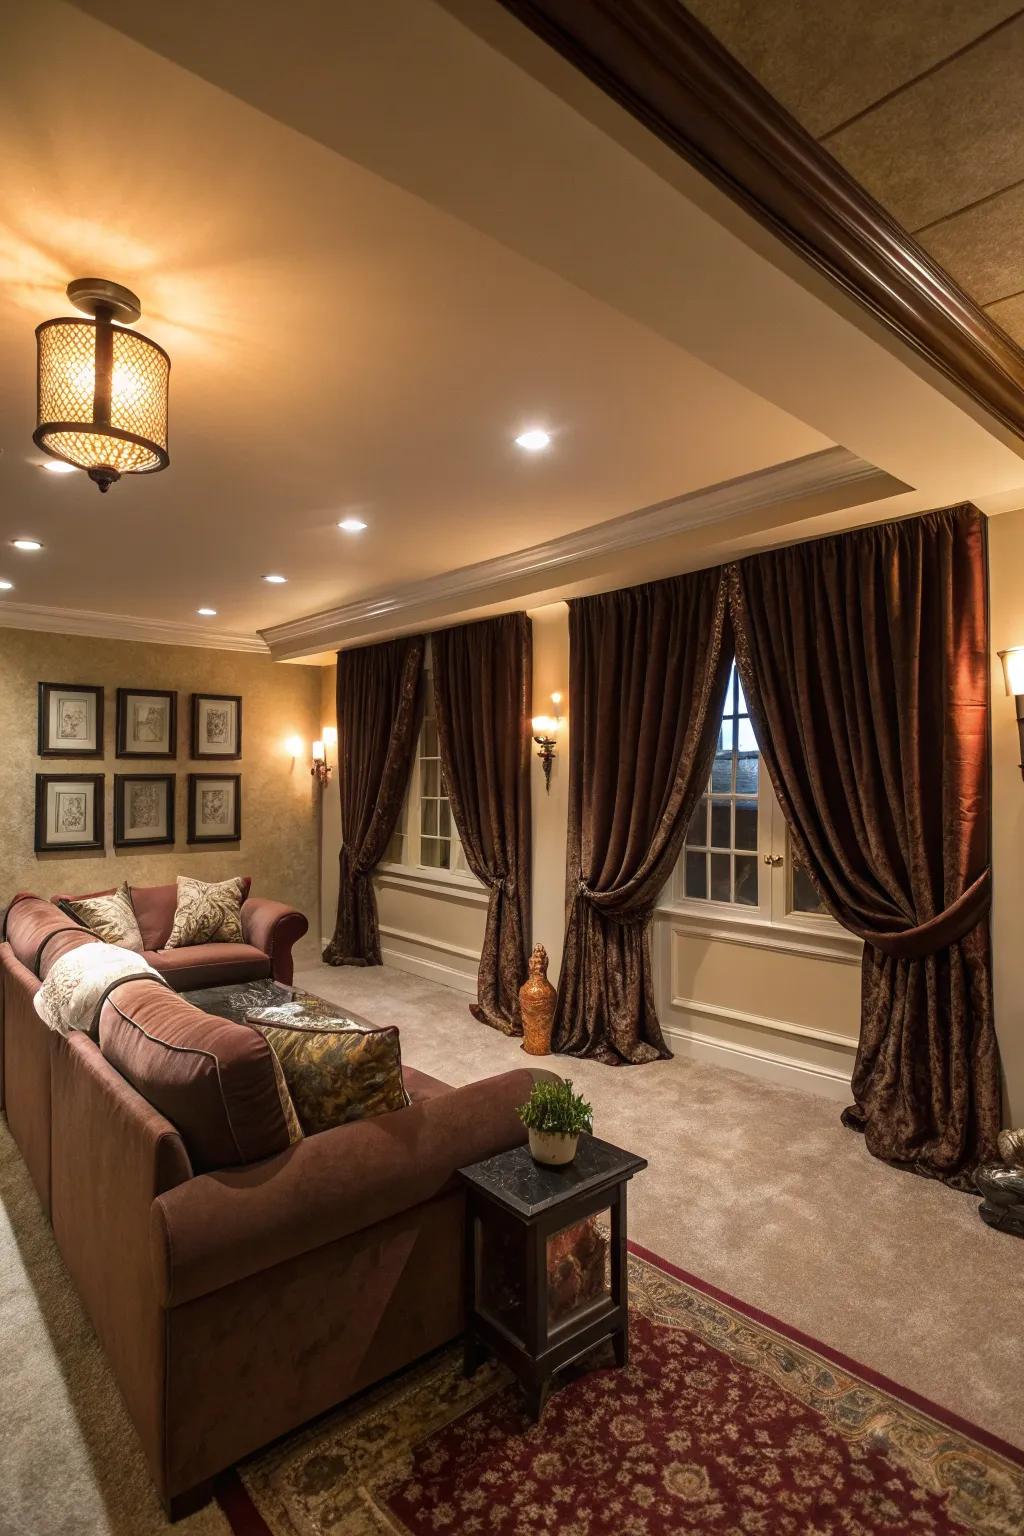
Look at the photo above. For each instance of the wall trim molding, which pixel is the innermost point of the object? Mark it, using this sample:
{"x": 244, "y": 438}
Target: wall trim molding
{"x": 768, "y": 1066}
{"x": 664, "y": 67}
{"x": 718, "y": 1011}
{"x": 423, "y": 939}
{"x": 841, "y": 948}
{"x": 427, "y": 883}
{"x": 430, "y": 970}
{"x": 116, "y": 626}
{"x": 815, "y": 474}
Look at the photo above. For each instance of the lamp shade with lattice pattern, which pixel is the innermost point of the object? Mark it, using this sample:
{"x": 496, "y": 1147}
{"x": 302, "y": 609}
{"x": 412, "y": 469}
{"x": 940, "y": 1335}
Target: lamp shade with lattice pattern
{"x": 102, "y": 397}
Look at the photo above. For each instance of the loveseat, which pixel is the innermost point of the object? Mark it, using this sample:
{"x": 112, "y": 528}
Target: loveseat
{"x": 236, "y": 1303}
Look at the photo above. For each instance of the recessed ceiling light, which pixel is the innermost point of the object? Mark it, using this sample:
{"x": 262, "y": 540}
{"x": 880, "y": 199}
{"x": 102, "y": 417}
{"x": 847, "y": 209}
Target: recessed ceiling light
{"x": 534, "y": 440}
{"x": 58, "y": 467}
{"x": 351, "y": 525}
{"x": 207, "y": 613}
{"x": 6, "y": 586}
{"x": 277, "y": 580}
{"x": 26, "y": 544}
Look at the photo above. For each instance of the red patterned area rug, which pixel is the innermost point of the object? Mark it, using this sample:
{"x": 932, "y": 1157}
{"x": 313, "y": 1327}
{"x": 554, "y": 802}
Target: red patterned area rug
{"x": 726, "y": 1423}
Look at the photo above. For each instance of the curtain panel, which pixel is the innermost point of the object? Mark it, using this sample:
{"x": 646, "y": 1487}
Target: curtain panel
{"x": 864, "y": 660}
{"x": 482, "y": 678}
{"x": 648, "y": 669}
{"x": 379, "y": 708}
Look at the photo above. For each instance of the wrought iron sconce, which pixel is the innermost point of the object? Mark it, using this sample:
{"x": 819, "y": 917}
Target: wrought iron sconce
{"x": 320, "y": 768}
{"x": 544, "y": 727}
{"x": 1013, "y": 676}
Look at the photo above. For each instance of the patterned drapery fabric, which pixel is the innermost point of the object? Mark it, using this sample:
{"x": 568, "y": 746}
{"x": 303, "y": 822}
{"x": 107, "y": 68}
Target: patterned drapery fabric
{"x": 379, "y": 706}
{"x": 648, "y": 670}
{"x": 482, "y": 690}
{"x": 864, "y": 660}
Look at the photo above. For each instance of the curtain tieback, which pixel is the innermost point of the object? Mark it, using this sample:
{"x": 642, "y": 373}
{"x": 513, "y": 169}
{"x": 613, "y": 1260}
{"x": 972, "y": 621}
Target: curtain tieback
{"x": 503, "y": 883}
{"x": 938, "y": 932}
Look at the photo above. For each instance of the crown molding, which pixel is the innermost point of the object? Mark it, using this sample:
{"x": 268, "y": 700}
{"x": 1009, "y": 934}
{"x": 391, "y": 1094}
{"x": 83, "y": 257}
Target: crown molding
{"x": 665, "y": 68}
{"x": 117, "y": 626}
{"x": 816, "y": 474}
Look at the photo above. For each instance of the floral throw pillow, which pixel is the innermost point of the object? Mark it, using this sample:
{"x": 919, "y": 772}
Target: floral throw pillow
{"x": 337, "y": 1070}
{"x": 111, "y": 918}
{"x": 207, "y": 914}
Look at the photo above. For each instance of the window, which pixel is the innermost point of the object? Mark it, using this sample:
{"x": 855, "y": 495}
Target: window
{"x": 425, "y": 835}
{"x": 737, "y": 851}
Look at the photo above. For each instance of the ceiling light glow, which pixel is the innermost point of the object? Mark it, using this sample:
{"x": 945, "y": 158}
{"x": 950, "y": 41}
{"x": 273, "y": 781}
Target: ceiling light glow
{"x": 534, "y": 440}
{"x": 274, "y": 579}
{"x": 207, "y": 613}
{"x": 28, "y": 545}
{"x": 6, "y": 586}
{"x": 351, "y": 525}
{"x": 58, "y": 467}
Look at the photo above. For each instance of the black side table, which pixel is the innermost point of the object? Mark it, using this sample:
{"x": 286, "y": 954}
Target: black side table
{"x": 546, "y": 1260}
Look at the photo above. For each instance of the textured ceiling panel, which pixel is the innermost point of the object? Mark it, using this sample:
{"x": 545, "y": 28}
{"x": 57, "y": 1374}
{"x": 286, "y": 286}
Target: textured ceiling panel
{"x": 1010, "y": 315}
{"x": 828, "y": 62}
{"x": 982, "y": 247}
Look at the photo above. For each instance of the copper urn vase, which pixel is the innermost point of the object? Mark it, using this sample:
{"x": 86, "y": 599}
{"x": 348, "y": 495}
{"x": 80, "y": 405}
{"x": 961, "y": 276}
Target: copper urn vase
{"x": 537, "y": 1005}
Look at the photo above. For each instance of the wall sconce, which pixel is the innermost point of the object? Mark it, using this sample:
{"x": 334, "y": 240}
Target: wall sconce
{"x": 1013, "y": 677}
{"x": 321, "y": 769}
{"x": 544, "y": 728}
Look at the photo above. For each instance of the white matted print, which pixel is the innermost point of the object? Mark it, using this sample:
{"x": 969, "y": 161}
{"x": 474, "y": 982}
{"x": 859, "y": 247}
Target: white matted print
{"x": 70, "y": 720}
{"x": 69, "y": 811}
{"x": 146, "y": 723}
{"x": 143, "y": 809}
{"x": 216, "y": 725}
{"x": 214, "y": 807}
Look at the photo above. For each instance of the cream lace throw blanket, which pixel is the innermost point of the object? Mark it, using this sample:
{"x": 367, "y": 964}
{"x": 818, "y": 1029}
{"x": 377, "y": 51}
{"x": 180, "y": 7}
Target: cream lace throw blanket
{"x": 78, "y": 982}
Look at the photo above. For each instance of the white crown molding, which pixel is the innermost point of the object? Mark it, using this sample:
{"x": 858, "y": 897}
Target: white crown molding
{"x": 116, "y": 626}
{"x": 816, "y": 474}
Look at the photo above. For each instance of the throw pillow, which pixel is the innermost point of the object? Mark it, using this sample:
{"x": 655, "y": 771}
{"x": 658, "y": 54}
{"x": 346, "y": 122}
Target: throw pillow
{"x": 337, "y": 1070}
{"x": 78, "y": 983}
{"x": 111, "y": 918}
{"x": 207, "y": 914}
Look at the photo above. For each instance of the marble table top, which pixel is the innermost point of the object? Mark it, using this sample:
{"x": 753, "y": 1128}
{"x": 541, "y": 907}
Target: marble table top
{"x": 527, "y": 1188}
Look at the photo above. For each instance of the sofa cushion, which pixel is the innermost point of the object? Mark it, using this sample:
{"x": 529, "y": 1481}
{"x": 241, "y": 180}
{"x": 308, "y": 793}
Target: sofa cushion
{"x": 30, "y": 923}
{"x": 209, "y": 965}
{"x": 217, "y": 1081}
{"x": 207, "y": 913}
{"x": 337, "y": 1070}
{"x": 111, "y": 918}
{"x": 77, "y": 984}
{"x": 155, "y": 907}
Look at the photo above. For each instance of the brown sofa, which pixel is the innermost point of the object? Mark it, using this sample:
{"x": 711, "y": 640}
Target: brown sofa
{"x": 235, "y": 1304}
{"x": 270, "y": 930}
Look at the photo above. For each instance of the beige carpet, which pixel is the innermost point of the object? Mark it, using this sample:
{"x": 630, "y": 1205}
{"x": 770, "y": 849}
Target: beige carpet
{"x": 754, "y": 1188}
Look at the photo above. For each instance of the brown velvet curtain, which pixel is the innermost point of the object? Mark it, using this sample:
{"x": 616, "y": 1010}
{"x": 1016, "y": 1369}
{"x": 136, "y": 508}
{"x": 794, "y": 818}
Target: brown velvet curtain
{"x": 482, "y": 683}
{"x": 864, "y": 660}
{"x": 648, "y": 668}
{"x": 379, "y": 707}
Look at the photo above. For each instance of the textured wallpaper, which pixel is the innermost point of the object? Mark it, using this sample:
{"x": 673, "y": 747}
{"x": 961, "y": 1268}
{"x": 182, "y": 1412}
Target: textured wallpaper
{"x": 279, "y": 847}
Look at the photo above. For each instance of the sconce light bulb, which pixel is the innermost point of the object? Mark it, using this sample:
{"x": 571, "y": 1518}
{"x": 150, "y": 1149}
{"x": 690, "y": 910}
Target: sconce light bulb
{"x": 330, "y": 735}
{"x": 1013, "y": 669}
{"x": 543, "y": 725}
{"x": 556, "y": 699}
{"x": 318, "y": 752}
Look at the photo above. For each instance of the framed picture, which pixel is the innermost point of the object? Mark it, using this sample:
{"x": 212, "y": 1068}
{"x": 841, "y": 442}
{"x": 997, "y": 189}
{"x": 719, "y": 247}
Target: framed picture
{"x": 70, "y": 720}
{"x": 69, "y": 811}
{"x": 143, "y": 809}
{"x": 216, "y": 725}
{"x": 214, "y": 807}
{"x": 147, "y": 723}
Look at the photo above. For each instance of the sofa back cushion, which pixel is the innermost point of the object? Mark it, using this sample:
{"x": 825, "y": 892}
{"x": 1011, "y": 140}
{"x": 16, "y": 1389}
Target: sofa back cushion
{"x": 111, "y": 918}
{"x": 29, "y": 926}
{"x": 155, "y": 906}
{"x": 219, "y": 1083}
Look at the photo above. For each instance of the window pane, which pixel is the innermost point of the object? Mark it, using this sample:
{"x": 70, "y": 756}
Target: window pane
{"x": 697, "y": 875}
{"x": 746, "y": 824}
{"x": 429, "y": 748}
{"x": 432, "y": 853}
{"x": 721, "y": 823}
{"x": 445, "y": 819}
{"x": 697, "y": 831}
{"x": 428, "y": 817}
{"x": 394, "y": 850}
{"x": 721, "y": 774}
{"x": 727, "y": 735}
{"x": 741, "y": 703}
{"x": 746, "y": 775}
{"x": 430, "y": 777}
{"x": 746, "y": 881}
{"x": 746, "y": 741}
{"x": 805, "y": 897}
{"x": 721, "y": 877}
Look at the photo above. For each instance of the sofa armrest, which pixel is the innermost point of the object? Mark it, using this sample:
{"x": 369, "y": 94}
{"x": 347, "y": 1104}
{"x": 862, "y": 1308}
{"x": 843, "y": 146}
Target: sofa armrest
{"x": 221, "y": 1227}
{"x": 275, "y": 928}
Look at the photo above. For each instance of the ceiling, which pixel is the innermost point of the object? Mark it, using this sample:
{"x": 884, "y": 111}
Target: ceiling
{"x": 920, "y": 100}
{"x": 374, "y": 259}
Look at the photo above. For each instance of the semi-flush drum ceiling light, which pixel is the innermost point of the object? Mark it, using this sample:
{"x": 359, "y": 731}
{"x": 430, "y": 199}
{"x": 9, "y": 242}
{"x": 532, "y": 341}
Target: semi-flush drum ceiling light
{"x": 102, "y": 390}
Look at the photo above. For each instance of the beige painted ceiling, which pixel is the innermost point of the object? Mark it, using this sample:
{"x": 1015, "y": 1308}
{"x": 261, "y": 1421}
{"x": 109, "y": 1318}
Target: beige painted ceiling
{"x": 377, "y": 245}
{"x": 921, "y": 101}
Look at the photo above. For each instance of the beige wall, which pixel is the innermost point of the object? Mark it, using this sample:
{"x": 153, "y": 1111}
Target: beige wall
{"x": 279, "y": 846}
{"x": 1006, "y": 564}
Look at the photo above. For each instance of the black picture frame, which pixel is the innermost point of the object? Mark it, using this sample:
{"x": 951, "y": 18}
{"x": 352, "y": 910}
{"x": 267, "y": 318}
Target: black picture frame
{"x": 45, "y": 746}
{"x": 195, "y": 784}
{"x": 170, "y": 695}
{"x": 95, "y": 841}
{"x": 198, "y": 700}
{"x": 121, "y": 782}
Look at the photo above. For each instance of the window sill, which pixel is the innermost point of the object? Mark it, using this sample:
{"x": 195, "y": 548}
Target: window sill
{"x": 452, "y": 884}
{"x": 824, "y": 941}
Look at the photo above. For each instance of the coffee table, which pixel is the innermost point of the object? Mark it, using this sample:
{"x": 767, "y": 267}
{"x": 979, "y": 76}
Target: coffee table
{"x": 546, "y": 1260}
{"x": 286, "y": 1005}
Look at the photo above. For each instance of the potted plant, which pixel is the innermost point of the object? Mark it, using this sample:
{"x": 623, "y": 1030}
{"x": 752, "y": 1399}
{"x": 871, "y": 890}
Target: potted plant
{"x": 554, "y": 1117}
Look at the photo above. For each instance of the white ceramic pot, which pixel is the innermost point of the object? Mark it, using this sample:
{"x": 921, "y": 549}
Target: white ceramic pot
{"x": 552, "y": 1147}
